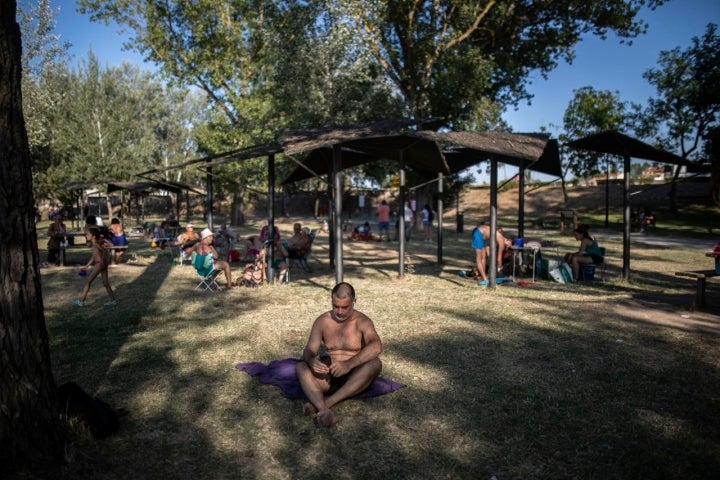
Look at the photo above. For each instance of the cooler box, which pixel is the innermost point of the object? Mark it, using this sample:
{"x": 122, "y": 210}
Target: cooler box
{"x": 587, "y": 272}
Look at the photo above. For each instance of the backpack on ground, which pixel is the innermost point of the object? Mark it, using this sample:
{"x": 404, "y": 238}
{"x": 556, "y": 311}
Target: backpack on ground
{"x": 99, "y": 417}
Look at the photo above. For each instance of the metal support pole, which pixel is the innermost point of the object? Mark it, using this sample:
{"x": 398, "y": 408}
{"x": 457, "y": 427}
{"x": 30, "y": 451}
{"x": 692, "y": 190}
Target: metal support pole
{"x": 271, "y": 217}
{"x": 492, "y": 274}
{"x": 440, "y": 219}
{"x": 209, "y": 200}
{"x": 521, "y": 203}
{"x": 337, "y": 186}
{"x": 626, "y": 218}
{"x": 401, "y": 213}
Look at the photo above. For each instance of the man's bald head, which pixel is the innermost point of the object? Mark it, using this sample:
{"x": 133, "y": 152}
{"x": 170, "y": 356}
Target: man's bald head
{"x": 344, "y": 290}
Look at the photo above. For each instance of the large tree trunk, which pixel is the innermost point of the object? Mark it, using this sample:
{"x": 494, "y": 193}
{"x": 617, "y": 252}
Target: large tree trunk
{"x": 29, "y": 418}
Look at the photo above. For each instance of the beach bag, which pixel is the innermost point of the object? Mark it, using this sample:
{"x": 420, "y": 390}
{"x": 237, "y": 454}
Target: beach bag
{"x": 99, "y": 417}
{"x": 562, "y": 273}
{"x": 252, "y": 276}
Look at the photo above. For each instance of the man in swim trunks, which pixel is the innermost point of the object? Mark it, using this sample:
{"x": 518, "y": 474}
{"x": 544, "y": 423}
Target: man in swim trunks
{"x": 480, "y": 235}
{"x": 351, "y": 362}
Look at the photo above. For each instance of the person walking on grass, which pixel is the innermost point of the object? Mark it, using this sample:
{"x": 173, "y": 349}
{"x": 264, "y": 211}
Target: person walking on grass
{"x": 99, "y": 259}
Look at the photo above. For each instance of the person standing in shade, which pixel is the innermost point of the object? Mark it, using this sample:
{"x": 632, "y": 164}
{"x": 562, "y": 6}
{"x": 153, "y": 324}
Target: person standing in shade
{"x": 427, "y": 221}
{"x": 56, "y": 234}
{"x": 383, "y": 217}
{"x": 409, "y": 215}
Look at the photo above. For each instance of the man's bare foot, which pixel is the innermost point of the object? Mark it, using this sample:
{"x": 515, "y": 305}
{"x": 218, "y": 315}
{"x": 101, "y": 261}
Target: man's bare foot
{"x": 326, "y": 418}
{"x": 309, "y": 409}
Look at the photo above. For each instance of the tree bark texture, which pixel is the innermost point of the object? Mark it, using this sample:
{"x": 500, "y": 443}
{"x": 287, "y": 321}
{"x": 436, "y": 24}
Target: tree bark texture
{"x": 29, "y": 417}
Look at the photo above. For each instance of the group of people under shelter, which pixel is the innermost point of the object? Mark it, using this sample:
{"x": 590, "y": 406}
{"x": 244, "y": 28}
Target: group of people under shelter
{"x": 383, "y": 213}
{"x": 59, "y": 237}
{"x": 203, "y": 250}
{"x": 588, "y": 253}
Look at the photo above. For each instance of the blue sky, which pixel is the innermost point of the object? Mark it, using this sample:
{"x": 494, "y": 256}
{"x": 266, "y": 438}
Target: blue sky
{"x": 604, "y": 65}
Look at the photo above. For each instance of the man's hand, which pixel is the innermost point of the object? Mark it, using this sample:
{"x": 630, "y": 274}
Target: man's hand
{"x": 319, "y": 367}
{"x": 338, "y": 369}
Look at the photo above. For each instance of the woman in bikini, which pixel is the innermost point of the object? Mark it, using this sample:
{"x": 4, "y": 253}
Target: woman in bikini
{"x": 99, "y": 259}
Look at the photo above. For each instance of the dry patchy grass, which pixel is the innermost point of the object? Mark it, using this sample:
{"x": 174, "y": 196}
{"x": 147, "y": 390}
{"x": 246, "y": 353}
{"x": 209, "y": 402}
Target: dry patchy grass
{"x": 599, "y": 380}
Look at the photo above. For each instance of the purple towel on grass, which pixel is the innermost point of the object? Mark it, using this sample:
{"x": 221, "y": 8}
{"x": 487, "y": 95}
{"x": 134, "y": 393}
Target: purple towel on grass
{"x": 281, "y": 373}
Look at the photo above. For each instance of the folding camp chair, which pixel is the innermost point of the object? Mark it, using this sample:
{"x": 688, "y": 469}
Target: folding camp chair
{"x": 301, "y": 260}
{"x": 208, "y": 282}
{"x": 208, "y": 275}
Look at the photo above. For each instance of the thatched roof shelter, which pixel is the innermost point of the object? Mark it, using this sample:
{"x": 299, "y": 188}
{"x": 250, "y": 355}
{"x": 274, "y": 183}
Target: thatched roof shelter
{"x": 617, "y": 143}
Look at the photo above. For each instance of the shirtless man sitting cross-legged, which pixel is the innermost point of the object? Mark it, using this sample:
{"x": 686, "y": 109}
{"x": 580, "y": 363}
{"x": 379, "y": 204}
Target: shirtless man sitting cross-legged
{"x": 351, "y": 363}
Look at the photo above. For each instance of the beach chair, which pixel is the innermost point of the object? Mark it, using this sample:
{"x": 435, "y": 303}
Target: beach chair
{"x": 208, "y": 274}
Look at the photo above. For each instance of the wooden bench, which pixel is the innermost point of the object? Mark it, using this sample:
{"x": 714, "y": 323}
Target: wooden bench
{"x": 701, "y": 277}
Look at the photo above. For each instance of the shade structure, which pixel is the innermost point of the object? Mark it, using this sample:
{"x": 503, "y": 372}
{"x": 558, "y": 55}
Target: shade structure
{"x": 135, "y": 187}
{"x": 533, "y": 151}
{"x": 298, "y": 141}
{"x": 617, "y": 143}
{"x": 241, "y": 154}
{"x": 428, "y": 153}
{"x": 319, "y": 162}
{"x": 336, "y": 149}
{"x": 419, "y": 150}
{"x": 527, "y": 150}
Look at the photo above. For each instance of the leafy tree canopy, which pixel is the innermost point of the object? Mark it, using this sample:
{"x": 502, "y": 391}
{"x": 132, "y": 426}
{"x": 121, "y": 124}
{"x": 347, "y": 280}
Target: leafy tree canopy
{"x": 591, "y": 111}
{"x": 444, "y": 59}
{"x": 688, "y": 99}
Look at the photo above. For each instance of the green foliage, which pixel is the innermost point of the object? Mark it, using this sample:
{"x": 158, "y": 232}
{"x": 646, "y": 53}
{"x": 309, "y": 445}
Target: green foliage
{"x": 591, "y": 111}
{"x": 103, "y": 125}
{"x": 41, "y": 46}
{"x": 267, "y": 66}
{"x": 449, "y": 59}
{"x": 688, "y": 100}
{"x": 343, "y": 60}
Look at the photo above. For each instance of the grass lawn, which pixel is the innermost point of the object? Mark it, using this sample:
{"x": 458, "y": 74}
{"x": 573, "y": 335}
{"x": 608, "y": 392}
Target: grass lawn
{"x": 601, "y": 380}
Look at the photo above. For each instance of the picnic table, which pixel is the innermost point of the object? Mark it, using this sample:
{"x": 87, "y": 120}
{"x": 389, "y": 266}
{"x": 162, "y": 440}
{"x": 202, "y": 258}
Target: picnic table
{"x": 701, "y": 277}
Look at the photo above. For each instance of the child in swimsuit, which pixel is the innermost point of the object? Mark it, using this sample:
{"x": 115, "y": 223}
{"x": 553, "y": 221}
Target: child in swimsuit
{"x": 99, "y": 259}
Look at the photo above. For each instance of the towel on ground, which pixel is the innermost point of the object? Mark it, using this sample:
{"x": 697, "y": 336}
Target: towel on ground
{"x": 281, "y": 373}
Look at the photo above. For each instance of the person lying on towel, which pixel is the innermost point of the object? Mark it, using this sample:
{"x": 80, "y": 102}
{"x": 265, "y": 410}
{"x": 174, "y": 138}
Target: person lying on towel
{"x": 349, "y": 363}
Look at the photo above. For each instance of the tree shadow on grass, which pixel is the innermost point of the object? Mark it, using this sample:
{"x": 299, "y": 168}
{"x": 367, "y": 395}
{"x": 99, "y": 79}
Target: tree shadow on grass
{"x": 568, "y": 400}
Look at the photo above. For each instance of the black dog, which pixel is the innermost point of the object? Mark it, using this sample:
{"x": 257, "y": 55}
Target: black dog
{"x": 99, "y": 417}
